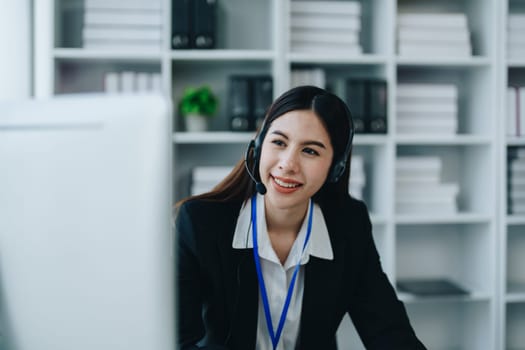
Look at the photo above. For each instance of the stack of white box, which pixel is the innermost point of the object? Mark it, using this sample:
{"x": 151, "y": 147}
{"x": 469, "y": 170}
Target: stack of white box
{"x": 205, "y": 178}
{"x": 516, "y": 36}
{"x": 122, "y": 24}
{"x": 130, "y": 81}
{"x": 427, "y": 109}
{"x": 325, "y": 26}
{"x": 311, "y": 76}
{"x": 433, "y": 34}
{"x": 516, "y": 174}
{"x": 357, "y": 177}
{"x": 419, "y": 189}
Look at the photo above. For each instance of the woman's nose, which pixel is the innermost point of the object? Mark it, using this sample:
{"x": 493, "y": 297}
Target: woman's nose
{"x": 289, "y": 161}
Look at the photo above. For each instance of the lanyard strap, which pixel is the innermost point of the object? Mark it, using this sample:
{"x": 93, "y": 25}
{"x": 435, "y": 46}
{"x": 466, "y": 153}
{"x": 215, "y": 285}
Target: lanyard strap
{"x": 277, "y": 335}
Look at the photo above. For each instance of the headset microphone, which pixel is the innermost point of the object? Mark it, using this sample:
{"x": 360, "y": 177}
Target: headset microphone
{"x": 259, "y": 186}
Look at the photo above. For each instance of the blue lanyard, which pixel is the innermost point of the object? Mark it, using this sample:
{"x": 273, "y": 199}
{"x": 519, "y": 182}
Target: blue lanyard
{"x": 277, "y": 335}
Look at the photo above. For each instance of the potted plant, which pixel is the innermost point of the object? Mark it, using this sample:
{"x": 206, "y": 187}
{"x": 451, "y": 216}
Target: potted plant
{"x": 197, "y": 105}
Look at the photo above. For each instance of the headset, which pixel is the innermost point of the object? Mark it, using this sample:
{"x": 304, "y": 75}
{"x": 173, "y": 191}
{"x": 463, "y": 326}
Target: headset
{"x": 326, "y": 100}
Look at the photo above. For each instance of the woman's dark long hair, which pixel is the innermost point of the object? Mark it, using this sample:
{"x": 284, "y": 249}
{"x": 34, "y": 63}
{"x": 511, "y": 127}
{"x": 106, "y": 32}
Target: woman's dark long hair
{"x": 238, "y": 185}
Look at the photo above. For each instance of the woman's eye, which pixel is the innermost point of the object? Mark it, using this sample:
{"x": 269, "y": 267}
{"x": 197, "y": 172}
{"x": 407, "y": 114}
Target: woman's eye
{"x": 311, "y": 151}
{"x": 278, "y": 142}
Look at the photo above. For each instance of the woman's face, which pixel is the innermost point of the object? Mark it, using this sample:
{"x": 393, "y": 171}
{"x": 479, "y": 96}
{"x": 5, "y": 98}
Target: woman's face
{"x": 295, "y": 159}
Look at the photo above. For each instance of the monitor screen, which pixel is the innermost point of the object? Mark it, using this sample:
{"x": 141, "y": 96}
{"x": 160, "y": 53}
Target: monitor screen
{"x": 85, "y": 224}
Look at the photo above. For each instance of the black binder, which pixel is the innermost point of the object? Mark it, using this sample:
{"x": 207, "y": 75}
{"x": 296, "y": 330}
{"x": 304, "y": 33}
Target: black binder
{"x": 377, "y": 107}
{"x": 262, "y": 93}
{"x": 239, "y": 103}
{"x": 356, "y": 100}
{"x": 180, "y": 24}
{"x": 204, "y": 24}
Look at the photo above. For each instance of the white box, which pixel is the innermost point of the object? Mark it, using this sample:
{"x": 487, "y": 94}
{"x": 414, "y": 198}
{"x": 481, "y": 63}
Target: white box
{"x": 121, "y": 33}
{"x": 413, "y": 163}
{"x": 351, "y": 8}
{"x": 325, "y": 22}
{"x": 427, "y": 90}
{"x": 122, "y": 17}
{"x": 341, "y": 37}
{"x": 326, "y": 48}
{"x": 140, "y": 5}
{"x": 433, "y": 34}
{"x": 404, "y": 108}
{"x": 423, "y": 49}
{"x": 432, "y": 20}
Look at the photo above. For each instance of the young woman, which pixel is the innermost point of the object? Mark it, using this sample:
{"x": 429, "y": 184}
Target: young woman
{"x": 278, "y": 252}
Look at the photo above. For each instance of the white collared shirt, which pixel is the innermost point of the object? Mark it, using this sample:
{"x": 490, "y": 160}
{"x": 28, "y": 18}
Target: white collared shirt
{"x": 276, "y": 276}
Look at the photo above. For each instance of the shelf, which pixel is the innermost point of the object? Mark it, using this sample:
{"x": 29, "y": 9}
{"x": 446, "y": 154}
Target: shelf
{"x": 516, "y": 219}
{"x": 452, "y": 140}
{"x": 461, "y": 218}
{"x": 473, "y": 297}
{"x": 335, "y": 58}
{"x": 515, "y": 297}
{"x": 474, "y": 61}
{"x": 515, "y": 141}
{"x": 222, "y": 55}
{"x": 516, "y": 63}
{"x": 226, "y": 137}
{"x": 120, "y": 55}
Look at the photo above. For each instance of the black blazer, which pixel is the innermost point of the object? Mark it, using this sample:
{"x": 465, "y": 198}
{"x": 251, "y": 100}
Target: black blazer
{"x": 218, "y": 291}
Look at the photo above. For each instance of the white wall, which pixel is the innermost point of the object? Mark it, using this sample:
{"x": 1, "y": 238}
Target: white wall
{"x": 15, "y": 49}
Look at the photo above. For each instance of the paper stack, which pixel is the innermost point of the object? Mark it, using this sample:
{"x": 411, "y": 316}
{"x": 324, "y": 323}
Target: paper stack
{"x": 129, "y": 81}
{"x": 433, "y": 34}
{"x": 419, "y": 189}
{"x": 325, "y": 26}
{"x": 427, "y": 109}
{"x": 516, "y": 181}
{"x": 122, "y": 24}
{"x": 357, "y": 177}
{"x": 313, "y": 76}
{"x": 516, "y": 36}
{"x": 205, "y": 178}
{"x": 516, "y": 111}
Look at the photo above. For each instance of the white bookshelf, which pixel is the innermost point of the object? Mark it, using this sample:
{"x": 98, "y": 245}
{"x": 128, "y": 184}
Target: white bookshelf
{"x": 480, "y": 246}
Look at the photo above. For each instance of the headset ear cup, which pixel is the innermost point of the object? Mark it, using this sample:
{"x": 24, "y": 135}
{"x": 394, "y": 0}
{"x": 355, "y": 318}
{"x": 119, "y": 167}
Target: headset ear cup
{"x": 337, "y": 171}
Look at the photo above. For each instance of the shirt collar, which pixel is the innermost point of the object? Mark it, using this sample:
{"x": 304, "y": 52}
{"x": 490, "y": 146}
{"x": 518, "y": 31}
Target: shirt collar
{"x": 319, "y": 245}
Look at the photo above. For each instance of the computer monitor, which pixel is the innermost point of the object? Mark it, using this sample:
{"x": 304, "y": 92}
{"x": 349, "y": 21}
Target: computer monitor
{"x": 85, "y": 224}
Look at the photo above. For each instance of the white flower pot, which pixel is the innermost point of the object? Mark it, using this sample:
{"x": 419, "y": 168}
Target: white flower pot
{"x": 196, "y": 123}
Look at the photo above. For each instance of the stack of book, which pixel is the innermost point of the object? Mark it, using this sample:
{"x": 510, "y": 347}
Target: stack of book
{"x": 122, "y": 24}
{"x": 516, "y": 181}
{"x": 427, "y": 109}
{"x": 205, "y": 178}
{"x": 357, "y": 177}
{"x": 129, "y": 81}
{"x": 308, "y": 76}
{"x": 419, "y": 189}
{"x": 433, "y": 34}
{"x": 516, "y": 111}
{"x": 515, "y": 36}
{"x": 325, "y": 26}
